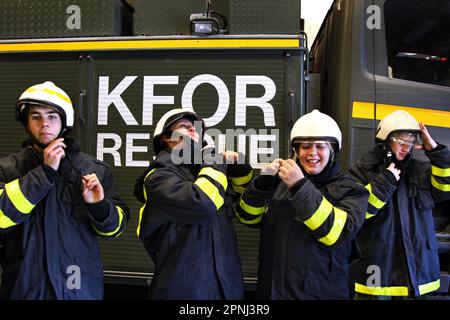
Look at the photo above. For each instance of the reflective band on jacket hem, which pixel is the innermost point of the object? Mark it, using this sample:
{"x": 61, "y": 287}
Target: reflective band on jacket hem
{"x": 120, "y": 213}
{"x": 250, "y": 209}
{"x": 340, "y": 217}
{"x": 215, "y": 175}
{"x": 440, "y": 172}
{"x": 373, "y": 199}
{"x": 244, "y": 221}
{"x": 5, "y": 221}
{"x": 439, "y": 186}
{"x": 382, "y": 291}
{"x": 320, "y": 215}
{"x": 242, "y": 180}
{"x": 210, "y": 190}
{"x": 17, "y": 198}
{"x": 396, "y": 291}
{"x": 429, "y": 287}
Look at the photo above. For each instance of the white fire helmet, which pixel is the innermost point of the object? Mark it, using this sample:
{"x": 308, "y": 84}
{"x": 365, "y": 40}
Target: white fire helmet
{"x": 399, "y": 120}
{"x": 316, "y": 125}
{"x": 167, "y": 120}
{"x": 49, "y": 95}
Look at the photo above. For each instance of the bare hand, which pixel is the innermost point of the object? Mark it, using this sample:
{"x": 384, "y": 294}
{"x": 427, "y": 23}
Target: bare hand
{"x": 290, "y": 172}
{"x": 396, "y": 172}
{"x": 428, "y": 142}
{"x": 92, "y": 189}
{"x": 230, "y": 157}
{"x": 272, "y": 168}
{"x": 54, "y": 152}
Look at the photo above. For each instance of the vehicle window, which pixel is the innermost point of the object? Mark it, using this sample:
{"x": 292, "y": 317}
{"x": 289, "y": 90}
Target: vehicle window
{"x": 418, "y": 40}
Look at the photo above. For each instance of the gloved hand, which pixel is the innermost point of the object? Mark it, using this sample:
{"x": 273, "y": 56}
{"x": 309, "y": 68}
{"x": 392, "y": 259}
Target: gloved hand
{"x": 271, "y": 169}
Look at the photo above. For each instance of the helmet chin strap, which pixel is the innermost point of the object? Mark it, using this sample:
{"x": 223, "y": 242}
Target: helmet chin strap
{"x": 391, "y": 157}
{"x": 44, "y": 145}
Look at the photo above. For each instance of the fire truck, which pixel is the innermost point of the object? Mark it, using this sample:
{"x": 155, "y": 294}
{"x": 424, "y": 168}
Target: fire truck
{"x": 244, "y": 66}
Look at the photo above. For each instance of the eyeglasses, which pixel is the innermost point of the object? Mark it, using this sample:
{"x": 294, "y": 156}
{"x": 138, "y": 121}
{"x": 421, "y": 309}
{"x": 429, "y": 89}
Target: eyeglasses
{"x": 309, "y": 144}
{"x": 402, "y": 142}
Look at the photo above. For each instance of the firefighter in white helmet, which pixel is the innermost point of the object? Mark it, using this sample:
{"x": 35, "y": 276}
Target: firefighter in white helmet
{"x": 309, "y": 212}
{"x": 54, "y": 199}
{"x": 186, "y": 222}
{"x": 398, "y": 235}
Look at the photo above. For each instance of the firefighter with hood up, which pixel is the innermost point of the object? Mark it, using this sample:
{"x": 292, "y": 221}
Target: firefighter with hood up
{"x": 54, "y": 201}
{"x": 186, "y": 222}
{"x": 397, "y": 243}
{"x": 308, "y": 212}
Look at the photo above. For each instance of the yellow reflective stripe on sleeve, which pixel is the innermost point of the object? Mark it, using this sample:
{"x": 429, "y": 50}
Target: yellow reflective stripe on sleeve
{"x": 439, "y": 186}
{"x": 1, "y": 191}
{"x": 17, "y": 198}
{"x": 210, "y": 190}
{"x": 320, "y": 215}
{"x": 340, "y": 217}
{"x": 369, "y": 215}
{"x": 5, "y": 221}
{"x": 440, "y": 172}
{"x": 141, "y": 210}
{"x": 238, "y": 189}
{"x": 215, "y": 175}
{"x": 429, "y": 287}
{"x": 244, "y": 221}
{"x": 250, "y": 209}
{"x": 382, "y": 291}
{"x": 120, "y": 213}
{"x": 373, "y": 199}
{"x": 239, "y": 181}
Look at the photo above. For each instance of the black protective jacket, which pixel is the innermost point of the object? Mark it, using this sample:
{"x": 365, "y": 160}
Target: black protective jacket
{"x": 306, "y": 233}
{"x": 186, "y": 226}
{"x": 397, "y": 242}
{"x": 52, "y": 250}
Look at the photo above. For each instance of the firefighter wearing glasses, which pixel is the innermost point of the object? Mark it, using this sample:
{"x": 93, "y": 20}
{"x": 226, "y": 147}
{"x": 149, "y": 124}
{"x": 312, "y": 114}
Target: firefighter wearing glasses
{"x": 308, "y": 212}
{"x": 398, "y": 250}
{"x": 54, "y": 201}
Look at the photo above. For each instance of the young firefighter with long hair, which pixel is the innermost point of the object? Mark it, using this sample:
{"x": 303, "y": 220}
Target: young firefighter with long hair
{"x": 308, "y": 212}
